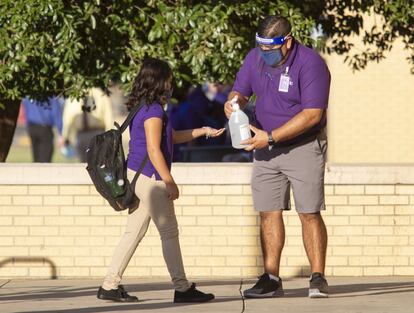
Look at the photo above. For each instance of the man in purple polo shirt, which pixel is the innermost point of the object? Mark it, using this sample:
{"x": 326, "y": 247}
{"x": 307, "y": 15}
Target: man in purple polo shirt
{"x": 291, "y": 83}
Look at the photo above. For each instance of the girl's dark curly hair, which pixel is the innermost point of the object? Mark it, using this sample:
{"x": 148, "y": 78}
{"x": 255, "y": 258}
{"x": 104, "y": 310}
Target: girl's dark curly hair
{"x": 152, "y": 84}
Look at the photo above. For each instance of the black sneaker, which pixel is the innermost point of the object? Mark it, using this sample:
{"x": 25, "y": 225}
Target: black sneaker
{"x": 117, "y": 295}
{"x": 265, "y": 288}
{"x": 318, "y": 286}
{"x": 192, "y": 295}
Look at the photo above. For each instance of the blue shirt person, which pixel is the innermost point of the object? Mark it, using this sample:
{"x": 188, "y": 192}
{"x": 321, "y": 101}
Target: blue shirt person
{"x": 41, "y": 118}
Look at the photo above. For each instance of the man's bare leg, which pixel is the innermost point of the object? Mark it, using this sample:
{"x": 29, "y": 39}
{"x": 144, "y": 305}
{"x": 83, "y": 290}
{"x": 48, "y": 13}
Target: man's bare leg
{"x": 272, "y": 236}
{"x": 315, "y": 240}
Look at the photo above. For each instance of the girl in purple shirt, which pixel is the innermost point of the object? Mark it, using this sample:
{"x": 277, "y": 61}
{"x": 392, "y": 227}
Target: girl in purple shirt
{"x": 155, "y": 187}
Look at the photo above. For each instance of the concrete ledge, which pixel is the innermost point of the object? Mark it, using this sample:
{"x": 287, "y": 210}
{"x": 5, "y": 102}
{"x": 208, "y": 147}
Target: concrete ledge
{"x": 205, "y": 173}
{"x": 373, "y": 174}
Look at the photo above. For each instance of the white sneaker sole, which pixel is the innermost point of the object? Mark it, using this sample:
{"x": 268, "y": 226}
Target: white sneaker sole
{"x": 316, "y": 294}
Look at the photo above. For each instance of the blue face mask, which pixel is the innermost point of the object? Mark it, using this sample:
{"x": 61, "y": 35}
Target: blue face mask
{"x": 272, "y": 57}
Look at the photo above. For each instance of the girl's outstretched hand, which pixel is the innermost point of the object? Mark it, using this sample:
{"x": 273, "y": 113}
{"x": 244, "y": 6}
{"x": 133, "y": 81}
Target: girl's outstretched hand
{"x": 212, "y": 132}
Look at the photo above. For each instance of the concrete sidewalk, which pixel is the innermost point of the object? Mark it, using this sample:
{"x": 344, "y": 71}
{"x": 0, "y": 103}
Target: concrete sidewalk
{"x": 348, "y": 295}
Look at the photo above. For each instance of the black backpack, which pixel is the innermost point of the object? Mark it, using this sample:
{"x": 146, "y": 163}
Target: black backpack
{"x": 107, "y": 166}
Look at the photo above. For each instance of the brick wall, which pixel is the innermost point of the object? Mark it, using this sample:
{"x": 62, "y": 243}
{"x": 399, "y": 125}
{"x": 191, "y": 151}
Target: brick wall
{"x": 66, "y": 230}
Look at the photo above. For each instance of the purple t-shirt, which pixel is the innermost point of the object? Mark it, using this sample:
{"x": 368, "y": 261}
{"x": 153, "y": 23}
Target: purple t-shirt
{"x": 138, "y": 142}
{"x": 308, "y": 83}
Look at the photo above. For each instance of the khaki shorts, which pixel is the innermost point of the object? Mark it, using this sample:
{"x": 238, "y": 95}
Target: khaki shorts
{"x": 301, "y": 166}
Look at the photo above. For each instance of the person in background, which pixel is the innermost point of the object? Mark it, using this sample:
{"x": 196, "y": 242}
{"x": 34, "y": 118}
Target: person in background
{"x": 41, "y": 118}
{"x": 203, "y": 106}
{"x": 86, "y": 118}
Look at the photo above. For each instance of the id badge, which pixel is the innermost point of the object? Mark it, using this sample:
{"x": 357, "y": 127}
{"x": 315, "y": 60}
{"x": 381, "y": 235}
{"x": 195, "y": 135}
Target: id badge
{"x": 284, "y": 82}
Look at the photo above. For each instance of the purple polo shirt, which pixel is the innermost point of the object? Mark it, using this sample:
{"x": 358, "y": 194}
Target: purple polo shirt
{"x": 309, "y": 85}
{"x": 138, "y": 142}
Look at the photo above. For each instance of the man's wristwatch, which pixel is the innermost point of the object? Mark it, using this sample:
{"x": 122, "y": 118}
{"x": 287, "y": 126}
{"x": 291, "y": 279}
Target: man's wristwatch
{"x": 270, "y": 139}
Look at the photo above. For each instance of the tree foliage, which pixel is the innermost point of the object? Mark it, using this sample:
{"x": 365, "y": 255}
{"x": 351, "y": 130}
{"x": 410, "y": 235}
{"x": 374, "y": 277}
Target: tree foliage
{"x": 343, "y": 19}
{"x": 64, "y": 47}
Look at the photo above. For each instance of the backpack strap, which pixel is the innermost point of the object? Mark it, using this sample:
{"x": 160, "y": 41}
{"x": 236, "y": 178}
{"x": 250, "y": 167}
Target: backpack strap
{"x": 141, "y": 167}
{"x": 130, "y": 117}
{"x": 122, "y": 128}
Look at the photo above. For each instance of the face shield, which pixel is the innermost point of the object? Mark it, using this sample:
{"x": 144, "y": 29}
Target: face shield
{"x": 276, "y": 41}
{"x": 270, "y": 54}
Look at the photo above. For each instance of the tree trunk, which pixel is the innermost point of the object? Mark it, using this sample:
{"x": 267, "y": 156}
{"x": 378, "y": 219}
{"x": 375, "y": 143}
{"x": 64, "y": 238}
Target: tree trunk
{"x": 8, "y": 121}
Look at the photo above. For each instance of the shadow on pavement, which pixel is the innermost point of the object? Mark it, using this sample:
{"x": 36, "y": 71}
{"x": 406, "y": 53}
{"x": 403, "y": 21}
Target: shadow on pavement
{"x": 44, "y": 260}
{"x": 69, "y": 292}
{"x": 136, "y": 306}
{"x": 371, "y": 289}
{"x": 336, "y": 291}
{"x": 357, "y": 290}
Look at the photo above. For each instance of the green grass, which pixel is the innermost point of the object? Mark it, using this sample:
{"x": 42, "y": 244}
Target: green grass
{"x": 23, "y": 154}
{"x": 21, "y": 151}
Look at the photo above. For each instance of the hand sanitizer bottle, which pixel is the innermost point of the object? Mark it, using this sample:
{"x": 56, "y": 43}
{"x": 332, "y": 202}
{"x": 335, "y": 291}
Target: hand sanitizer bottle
{"x": 239, "y": 125}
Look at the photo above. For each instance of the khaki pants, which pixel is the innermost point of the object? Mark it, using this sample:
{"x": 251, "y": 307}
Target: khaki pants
{"x": 154, "y": 205}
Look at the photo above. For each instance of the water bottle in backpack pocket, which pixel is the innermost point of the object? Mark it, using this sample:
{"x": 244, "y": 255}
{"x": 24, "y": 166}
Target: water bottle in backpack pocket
{"x": 114, "y": 185}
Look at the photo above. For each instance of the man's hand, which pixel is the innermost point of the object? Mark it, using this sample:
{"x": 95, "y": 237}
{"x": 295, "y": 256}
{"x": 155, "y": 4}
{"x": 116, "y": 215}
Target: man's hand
{"x": 228, "y": 109}
{"x": 241, "y": 100}
{"x": 259, "y": 141}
